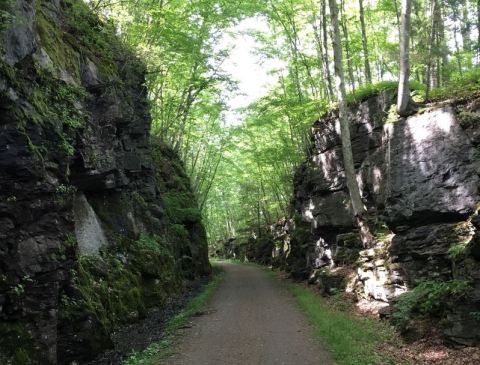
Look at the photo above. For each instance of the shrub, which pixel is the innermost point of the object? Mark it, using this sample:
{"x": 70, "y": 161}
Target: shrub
{"x": 460, "y": 86}
{"x": 431, "y": 298}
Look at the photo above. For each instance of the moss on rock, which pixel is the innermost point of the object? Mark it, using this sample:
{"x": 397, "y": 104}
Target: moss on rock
{"x": 16, "y": 344}
{"x": 119, "y": 286}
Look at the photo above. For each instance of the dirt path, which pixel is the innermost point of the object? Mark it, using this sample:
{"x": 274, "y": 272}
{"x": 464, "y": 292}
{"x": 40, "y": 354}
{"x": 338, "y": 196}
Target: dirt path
{"x": 252, "y": 321}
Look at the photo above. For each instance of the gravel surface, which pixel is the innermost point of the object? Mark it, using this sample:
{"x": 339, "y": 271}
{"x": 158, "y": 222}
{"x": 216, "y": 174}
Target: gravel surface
{"x": 252, "y": 320}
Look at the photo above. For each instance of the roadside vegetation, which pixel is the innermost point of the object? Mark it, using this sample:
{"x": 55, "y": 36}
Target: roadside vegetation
{"x": 352, "y": 340}
{"x": 153, "y": 354}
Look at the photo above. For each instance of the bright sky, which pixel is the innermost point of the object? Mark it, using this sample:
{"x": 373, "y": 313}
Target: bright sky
{"x": 248, "y": 69}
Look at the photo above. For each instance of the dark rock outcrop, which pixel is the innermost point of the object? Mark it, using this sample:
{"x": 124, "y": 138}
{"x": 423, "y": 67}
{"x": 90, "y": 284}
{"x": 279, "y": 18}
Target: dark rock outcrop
{"x": 419, "y": 179}
{"x": 79, "y": 175}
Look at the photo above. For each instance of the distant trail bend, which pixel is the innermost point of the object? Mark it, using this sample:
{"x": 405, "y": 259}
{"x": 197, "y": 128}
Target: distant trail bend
{"x": 253, "y": 321}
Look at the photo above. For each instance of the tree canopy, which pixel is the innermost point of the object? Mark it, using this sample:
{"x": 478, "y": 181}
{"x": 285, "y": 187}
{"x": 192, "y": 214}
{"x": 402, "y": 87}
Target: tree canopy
{"x": 243, "y": 173}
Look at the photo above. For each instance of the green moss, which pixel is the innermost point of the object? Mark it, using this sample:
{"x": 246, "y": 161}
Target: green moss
{"x": 179, "y": 231}
{"x": 9, "y": 72}
{"x": 16, "y": 344}
{"x": 6, "y": 14}
{"x": 64, "y": 57}
{"x": 366, "y": 91}
{"x": 107, "y": 290}
{"x": 181, "y": 207}
{"x": 118, "y": 286}
{"x": 54, "y": 104}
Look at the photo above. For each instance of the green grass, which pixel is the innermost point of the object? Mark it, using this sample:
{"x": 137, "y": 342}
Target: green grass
{"x": 459, "y": 86}
{"x": 352, "y": 340}
{"x": 154, "y": 354}
{"x": 365, "y": 91}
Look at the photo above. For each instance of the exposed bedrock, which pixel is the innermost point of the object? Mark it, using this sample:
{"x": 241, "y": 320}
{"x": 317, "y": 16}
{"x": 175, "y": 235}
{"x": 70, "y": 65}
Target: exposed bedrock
{"x": 419, "y": 179}
{"x": 97, "y": 220}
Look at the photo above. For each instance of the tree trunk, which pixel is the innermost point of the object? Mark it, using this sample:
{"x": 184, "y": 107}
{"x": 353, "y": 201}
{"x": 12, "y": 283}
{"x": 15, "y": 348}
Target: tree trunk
{"x": 403, "y": 100}
{"x": 478, "y": 28}
{"x": 343, "y": 24}
{"x": 430, "y": 48}
{"x": 325, "y": 46}
{"x": 465, "y": 28}
{"x": 368, "y": 74}
{"x": 353, "y": 189}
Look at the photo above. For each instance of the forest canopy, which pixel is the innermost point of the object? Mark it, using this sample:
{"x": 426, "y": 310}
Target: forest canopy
{"x": 242, "y": 173}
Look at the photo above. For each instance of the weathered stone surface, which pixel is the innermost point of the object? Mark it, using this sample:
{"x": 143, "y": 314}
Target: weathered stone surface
{"x": 75, "y": 121}
{"x": 20, "y": 40}
{"x": 418, "y": 175}
{"x": 89, "y": 233}
{"x": 431, "y": 174}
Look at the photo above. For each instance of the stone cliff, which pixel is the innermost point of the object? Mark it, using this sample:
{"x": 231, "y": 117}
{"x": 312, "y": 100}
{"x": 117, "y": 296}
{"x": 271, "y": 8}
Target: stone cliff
{"x": 419, "y": 179}
{"x": 97, "y": 219}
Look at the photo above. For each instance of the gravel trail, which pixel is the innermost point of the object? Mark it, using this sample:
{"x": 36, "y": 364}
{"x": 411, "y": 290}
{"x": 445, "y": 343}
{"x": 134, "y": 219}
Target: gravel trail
{"x": 251, "y": 320}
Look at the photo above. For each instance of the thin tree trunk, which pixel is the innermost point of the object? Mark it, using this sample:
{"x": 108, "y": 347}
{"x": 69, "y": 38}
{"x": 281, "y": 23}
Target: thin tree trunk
{"x": 430, "y": 49}
{"x": 343, "y": 24}
{"x": 465, "y": 28}
{"x": 397, "y": 13}
{"x": 325, "y": 46}
{"x": 353, "y": 189}
{"x": 478, "y": 28}
{"x": 455, "y": 38}
{"x": 403, "y": 100}
{"x": 368, "y": 74}
{"x": 443, "y": 74}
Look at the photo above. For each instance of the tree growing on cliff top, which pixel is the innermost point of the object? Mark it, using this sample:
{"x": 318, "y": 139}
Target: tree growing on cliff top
{"x": 403, "y": 100}
{"x": 353, "y": 189}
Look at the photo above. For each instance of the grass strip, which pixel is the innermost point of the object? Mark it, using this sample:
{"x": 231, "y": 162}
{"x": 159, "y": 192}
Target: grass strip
{"x": 352, "y": 340}
{"x": 157, "y": 351}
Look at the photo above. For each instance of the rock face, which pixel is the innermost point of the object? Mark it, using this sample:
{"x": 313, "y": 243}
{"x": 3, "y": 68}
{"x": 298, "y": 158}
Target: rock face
{"x": 419, "y": 179}
{"x": 79, "y": 175}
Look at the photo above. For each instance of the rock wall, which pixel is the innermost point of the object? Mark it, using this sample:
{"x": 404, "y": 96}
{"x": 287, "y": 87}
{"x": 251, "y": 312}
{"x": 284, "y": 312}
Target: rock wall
{"x": 79, "y": 175}
{"x": 419, "y": 179}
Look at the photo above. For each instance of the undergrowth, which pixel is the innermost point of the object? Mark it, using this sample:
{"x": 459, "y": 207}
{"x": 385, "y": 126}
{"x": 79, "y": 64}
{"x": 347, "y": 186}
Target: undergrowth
{"x": 352, "y": 340}
{"x": 458, "y": 87}
{"x": 159, "y": 350}
{"x": 429, "y": 299}
{"x": 365, "y": 91}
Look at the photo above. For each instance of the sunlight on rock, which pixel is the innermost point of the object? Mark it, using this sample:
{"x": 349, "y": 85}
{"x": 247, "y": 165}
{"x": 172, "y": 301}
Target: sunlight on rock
{"x": 89, "y": 233}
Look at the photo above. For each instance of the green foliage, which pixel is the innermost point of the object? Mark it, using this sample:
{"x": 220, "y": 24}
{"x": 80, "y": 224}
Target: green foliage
{"x": 118, "y": 286}
{"x": 180, "y": 207}
{"x": 457, "y": 249}
{"x": 366, "y": 91}
{"x": 158, "y": 351}
{"x": 352, "y": 340}
{"x": 467, "y": 118}
{"x": 108, "y": 290}
{"x": 6, "y": 14}
{"x": 460, "y": 86}
{"x": 475, "y": 315}
{"x": 430, "y": 298}
{"x": 16, "y": 344}
{"x": 381, "y": 231}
